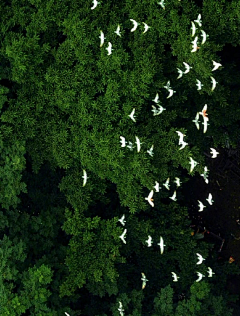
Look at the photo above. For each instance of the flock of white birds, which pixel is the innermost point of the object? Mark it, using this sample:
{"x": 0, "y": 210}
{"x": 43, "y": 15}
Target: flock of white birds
{"x": 158, "y": 111}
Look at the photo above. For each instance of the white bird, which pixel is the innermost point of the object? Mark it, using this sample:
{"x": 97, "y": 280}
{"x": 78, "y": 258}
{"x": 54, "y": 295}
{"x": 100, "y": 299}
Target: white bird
{"x": 210, "y": 272}
{"x": 196, "y": 121}
{"x": 177, "y": 181}
{"x": 144, "y": 279}
{"x": 204, "y": 174}
{"x": 166, "y": 184}
{"x": 200, "y": 258}
{"x": 162, "y": 4}
{"x": 132, "y": 117}
{"x": 109, "y": 48}
{"x": 187, "y": 67}
{"x": 120, "y": 309}
{"x": 214, "y": 152}
{"x": 123, "y": 236}
{"x": 200, "y": 204}
{"x": 130, "y": 146}
{"x": 193, "y": 28}
{"x": 175, "y": 277}
{"x": 138, "y": 144}
{"x": 85, "y": 177}
{"x": 193, "y": 164}
{"x": 95, "y": 3}
{"x": 122, "y": 221}
{"x": 67, "y": 314}
{"x": 167, "y": 86}
{"x": 209, "y": 199}
{"x": 102, "y": 38}
{"x": 198, "y": 21}
{"x": 146, "y": 27}
{"x": 184, "y": 144}
{"x": 118, "y": 31}
{"x": 199, "y": 84}
{"x": 156, "y": 187}
{"x": 157, "y": 111}
{"x": 200, "y": 276}
{"x": 156, "y": 98}
{"x": 214, "y": 83}
{"x": 216, "y": 65}
{"x": 204, "y": 112}
{"x": 149, "y": 198}
{"x": 122, "y": 141}
{"x": 161, "y": 244}
{"x": 204, "y": 37}
{"x": 135, "y": 25}
{"x": 194, "y": 42}
{"x": 180, "y": 73}
{"x": 170, "y": 93}
{"x": 150, "y": 151}
{"x": 181, "y": 135}
{"x": 205, "y": 124}
{"x": 149, "y": 241}
{"x": 194, "y": 48}
{"x": 174, "y": 196}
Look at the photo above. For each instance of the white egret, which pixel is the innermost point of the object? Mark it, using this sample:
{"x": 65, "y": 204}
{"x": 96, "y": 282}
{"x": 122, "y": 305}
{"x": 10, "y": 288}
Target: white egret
{"x": 166, "y": 184}
{"x": 109, "y": 48}
{"x": 95, "y": 3}
{"x": 150, "y": 199}
{"x": 122, "y": 221}
{"x": 156, "y": 187}
{"x": 204, "y": 37}
{"x": 187, "y": 68}
{"x": 146, "y": 27}
{"x": 132, "y": 117}
{"x": 150, "y": 151}
{"x": 118, "y": 31}
{"x": 205, "y": 124}
{"x": 214, "y": 83}
{"x": 196, "y": 120}
{"x": 162, "y": 4}
{"x": 161, "y": 245}
{"x": 209, "y": 199}
{"x": 200, "y": 258}
{"x": 210, "y": 272}
{"x": 175, "y": 277}
{"x": 149, "y": 241}
{"x": 174, "y": 196}
{"x": 181, "y": 135}
{"x": 123, "y": 141}
{"x": 123, "y": 236}
{"x": 201, "y": 206}
{"x": 167, "y": 86}
{"x": 85, "y": 177}
{"x": 177, "y": 181}
{"x": 130, "y": 146}
{"x": 193, "y": 164}
{"x": 135, "y": 25}
{"x": 199, "y": 21}
{"x": 102, "y": 38}
{"x": 193, "y": 28}
{"x": 170, "y": 93}
{"x": 214, "y": 152}
{"x": 199, "y": 84}
{"x": 216, "y": 65}
{"x": 184, "y": 144}
{"x": 200, "y": 276}
{"x": 144, "y": 279}
{"x": 138, "y": 144}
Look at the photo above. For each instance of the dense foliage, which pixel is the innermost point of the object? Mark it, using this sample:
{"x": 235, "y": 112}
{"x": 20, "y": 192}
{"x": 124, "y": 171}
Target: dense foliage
{"x": 64, "y": 105}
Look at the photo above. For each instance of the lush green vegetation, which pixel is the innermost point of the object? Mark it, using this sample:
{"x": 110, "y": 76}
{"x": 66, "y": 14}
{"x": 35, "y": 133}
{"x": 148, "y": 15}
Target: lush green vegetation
{"x": 64, "y": 105}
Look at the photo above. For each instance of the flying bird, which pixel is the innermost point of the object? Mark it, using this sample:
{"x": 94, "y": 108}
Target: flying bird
{"x": 205, "y": 124}
{"x": 209, "y": 199}
{"x": 132, "y": 117}
{"x": 180, "y": 73}
{"x": 122, "y": 141}
{"x": 201, "y": 206}
{"x": 193, "y": 28}
{"x": 85, "y": 177}
{"x": 135, "y": 25}
{"x": 196, "y": 121}
{"x": 150, "y": 151}
{"x": 200, "y": 276}
{"x": 181, "y": 135}
{"x": 200, "y": 258}
{"x": 187, "y": 68}
{"x": 161, "y": 244}
{"x": 156, "y": 187}
{"x": 149, "y": 241}
{"x": 123, "y": 236}
{"x": 193, "y": 164}
{"x": 122, "y": 221}
{"x": 146, "y": 27}
{"x": 204, "y": 37}
{"x": 166, "y": 184}
{"x": 102, "y": 38}
{"x": 118, "y": 31}
{"x": 194, "y": 48}
{"x": 120, "y": 309}
{"x": 173, "y": 197}
{"x": 138, "y": 144}
{"x": 109, "y": 48}
{"x": 204, "y": 112}
{"x": 157, "y": 111}
{"x": 204, "y": 174}
{"x": 130, "y": 146}
{"x": 210, "y": 272}
{"x": 67, "y": 314}
{"x": 216, "y": 65}
{"x": 199, "y": 84}
{"x": 95, "y": 3}
{"x": 184, "y": 144}
{"x": 199, "y": 21}
{"x": 214, "y": 152}
{"x": 170, "y": 93}
{"x": 162, "y": 4}
{"x": 175, "y": 277}
{"x": 144, "y": 280}
{"x": 149, "y": 198}
{"x": 214, "y": 83}
{"x": 177, "y": 181}
{"x": 156, "y": 98}
{"x": 167, "y": 86}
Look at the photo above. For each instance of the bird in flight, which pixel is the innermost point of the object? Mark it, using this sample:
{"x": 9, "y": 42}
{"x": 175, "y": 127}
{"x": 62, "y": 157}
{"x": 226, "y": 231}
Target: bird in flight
{"x": 156, "y": 187}
{"x": 199, "y": 21}
{"x": 177, "y": 181}
{"x": 85, "y": 177}
{"x": 216, "y": 65}
{"x": 194, "y": 45}
{"x": 166, "y": 184}
{"x": 132, "y": 117}
{"x": 167, "y": 86}
{"x": 201, "y": 206}
{"x": 162, "y": 4}
{"x": 193, "y": 28}
{"x": 187, "y": 68}
{"x": 156, "y": 98}
{"x": 181, "y": 135}
{"x": 200, "y": 276}
{"x": 95, "y": 3}
{"x": 184, "y": 144}
{"x": 138, "y": 144}
{"x": 210, "y": 272}
{"x": 102, "y": 38}
{"x": 149, "y": 241}
{"x": 205, "y": 124}
{"x": 180, "y": 73}
{"x": 200, "y": 258}
{"x": 157, "y": 111}
{"x": 146, "y": 27}
{"x": 204, "y": 112}
{"x": 122, "y": 141}
{"x": 109, "y": 48}
{"x": 135, "y": 25}
{"x": 170, "y": 93}
{"x": 204, "y": 174}
{"x": 209, "y": 199}
{"x": 214, "y": 152}
{"x": 204, "y": 37}
{"x": 123, "y": 236}
{"x": 150, "y": 151}
{"x": 118, "y": 31}
{"x": 122, "y": 221}
{"x": 161, "y": 244}
{"x": 144, "y": 280}
{"x": 130, "y": 146}
{"x": 120, "y": 309}
{"x": 67, "y": 314}
{"x": 193, "y": 164}
{"x": 175, "y": 277}
{"x": 150, "y": 199}
{"x": 214, "y": 83}
{"x": 174, "y": 196}
{"x": 199, "y": 84}
{"x": 196, "y": 121}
